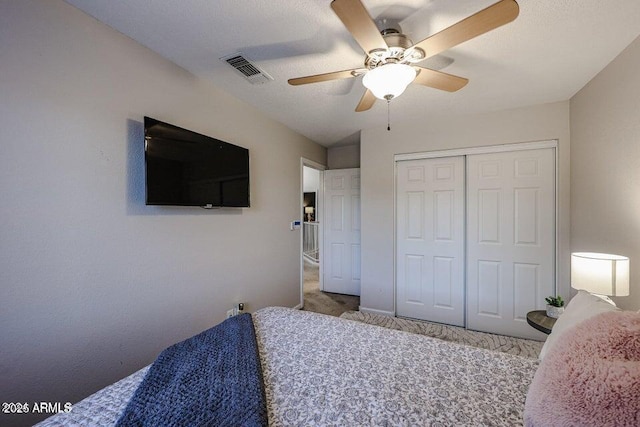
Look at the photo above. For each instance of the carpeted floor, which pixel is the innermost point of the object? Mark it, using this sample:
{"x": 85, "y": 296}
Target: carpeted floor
{"x": 324, "y": 302}
{"x": 346, "y": 306}
{"x": 517, "y": 346}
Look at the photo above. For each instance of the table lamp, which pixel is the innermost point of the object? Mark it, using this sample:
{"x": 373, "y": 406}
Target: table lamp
{"x": 603, "y": 275}
{"x": 309, "y": 211}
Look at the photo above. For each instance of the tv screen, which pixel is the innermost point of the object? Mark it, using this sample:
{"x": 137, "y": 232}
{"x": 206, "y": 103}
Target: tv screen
{"x": 185, "y": 168}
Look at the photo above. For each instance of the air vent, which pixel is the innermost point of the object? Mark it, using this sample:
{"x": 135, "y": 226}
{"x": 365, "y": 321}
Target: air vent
{"x": 249, "y": 71}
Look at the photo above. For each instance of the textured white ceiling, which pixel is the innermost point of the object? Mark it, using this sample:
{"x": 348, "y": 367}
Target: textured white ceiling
{"x": 547, "y": 54}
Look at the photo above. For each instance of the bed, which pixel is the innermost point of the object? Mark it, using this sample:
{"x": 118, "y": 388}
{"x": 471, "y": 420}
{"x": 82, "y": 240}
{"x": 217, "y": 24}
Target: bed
{"x": 321, "y": 370}
{"x": 317, "y": 370}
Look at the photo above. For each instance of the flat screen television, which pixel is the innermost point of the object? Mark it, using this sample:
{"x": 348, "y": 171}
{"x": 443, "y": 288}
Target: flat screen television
{"x": 185, "y": 168}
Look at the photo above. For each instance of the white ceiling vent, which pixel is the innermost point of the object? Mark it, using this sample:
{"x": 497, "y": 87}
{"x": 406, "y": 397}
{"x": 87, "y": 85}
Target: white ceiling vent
{"x": 249, "y": 71}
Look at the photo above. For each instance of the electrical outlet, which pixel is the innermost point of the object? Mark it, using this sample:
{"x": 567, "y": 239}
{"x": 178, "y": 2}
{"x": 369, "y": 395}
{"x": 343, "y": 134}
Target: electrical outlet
{"x": 238, "y": 309}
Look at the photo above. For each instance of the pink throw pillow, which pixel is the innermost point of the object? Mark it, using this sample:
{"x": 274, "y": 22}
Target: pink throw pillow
{"x": 591, "y": 377}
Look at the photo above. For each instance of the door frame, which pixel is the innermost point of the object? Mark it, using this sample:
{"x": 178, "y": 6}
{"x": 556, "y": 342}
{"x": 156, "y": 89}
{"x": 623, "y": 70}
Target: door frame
{"x": 319, "y": 210}
{"x": 518, "y": 146}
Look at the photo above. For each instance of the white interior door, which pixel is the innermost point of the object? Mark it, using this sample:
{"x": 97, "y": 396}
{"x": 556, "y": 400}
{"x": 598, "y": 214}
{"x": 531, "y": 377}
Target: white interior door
{"x": 341, "y": 262}
{"x": 430, "y": 239}
{"x": 510, "y": 238}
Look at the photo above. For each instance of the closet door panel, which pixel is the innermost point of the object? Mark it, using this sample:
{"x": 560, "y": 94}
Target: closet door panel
{"x": 510, "y": 238}
{"x": 430, "y": 239}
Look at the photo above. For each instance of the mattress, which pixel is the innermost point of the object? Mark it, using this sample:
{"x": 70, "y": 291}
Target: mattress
{"x": 322, "y": 370}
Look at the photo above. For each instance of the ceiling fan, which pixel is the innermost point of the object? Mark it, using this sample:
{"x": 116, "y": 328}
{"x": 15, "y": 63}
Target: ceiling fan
{"x": 389, "y": 64}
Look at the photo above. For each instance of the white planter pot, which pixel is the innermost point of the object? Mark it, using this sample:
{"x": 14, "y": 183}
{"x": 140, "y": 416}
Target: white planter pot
{"x": 554, "y": 312}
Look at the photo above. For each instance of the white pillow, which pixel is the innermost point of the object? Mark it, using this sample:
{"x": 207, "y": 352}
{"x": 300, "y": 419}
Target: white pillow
{"x": 581, "y": 307}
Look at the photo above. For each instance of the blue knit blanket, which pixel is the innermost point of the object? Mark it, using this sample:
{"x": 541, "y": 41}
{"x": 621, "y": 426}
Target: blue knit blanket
{"x": 211, "y": 379}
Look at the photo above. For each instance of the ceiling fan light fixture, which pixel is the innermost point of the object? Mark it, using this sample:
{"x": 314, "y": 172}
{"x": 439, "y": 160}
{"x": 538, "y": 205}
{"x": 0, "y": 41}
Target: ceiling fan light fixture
{"x": 388, "y": 81}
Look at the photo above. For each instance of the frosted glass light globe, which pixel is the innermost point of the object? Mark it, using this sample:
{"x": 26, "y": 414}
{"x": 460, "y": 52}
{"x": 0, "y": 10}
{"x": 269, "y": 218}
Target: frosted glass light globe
{"x": 389, "y": 80}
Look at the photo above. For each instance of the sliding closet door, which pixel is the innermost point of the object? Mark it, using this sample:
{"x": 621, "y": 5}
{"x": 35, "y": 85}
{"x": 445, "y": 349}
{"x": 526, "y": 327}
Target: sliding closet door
{"x": 510, "y": 238}
{"x": 430, "y": 239}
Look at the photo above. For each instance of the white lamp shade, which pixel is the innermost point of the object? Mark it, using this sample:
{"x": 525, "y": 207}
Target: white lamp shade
{"x": 389, "y": 80}
{"x": 602, "y": 274}
{"x": 308, "y": 209}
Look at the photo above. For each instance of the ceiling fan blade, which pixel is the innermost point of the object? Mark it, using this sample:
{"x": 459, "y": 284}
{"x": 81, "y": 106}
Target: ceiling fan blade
{"x": 359, "y": 23}
{"x": 366, "y": 102}
{"x": 336, "y": 75}
{"x": 479, "y": 23}
{"x": 439, "y": 80}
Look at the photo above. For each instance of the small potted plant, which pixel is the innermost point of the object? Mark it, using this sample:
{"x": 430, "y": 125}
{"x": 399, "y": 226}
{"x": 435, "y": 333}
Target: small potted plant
{"x": 555, "y": 306}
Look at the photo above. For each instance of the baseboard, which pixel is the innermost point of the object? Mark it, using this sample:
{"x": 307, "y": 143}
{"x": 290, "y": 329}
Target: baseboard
{"x": 298, "y": 307}
{"x": 375, "y": 311}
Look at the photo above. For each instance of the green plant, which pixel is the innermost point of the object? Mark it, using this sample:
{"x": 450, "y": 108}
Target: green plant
{"x": 555, "y": 301}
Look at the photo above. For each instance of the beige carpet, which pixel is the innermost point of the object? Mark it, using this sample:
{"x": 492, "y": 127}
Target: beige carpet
{"x": 517, "y": 346}
{"x": 346, "y": 306}
{"x": 324, "y": 302}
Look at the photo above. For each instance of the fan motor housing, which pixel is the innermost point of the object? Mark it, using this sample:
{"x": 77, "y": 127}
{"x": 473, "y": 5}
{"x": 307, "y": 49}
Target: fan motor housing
{"x": 395, "y": 39}
{"x": 398, "y": 44}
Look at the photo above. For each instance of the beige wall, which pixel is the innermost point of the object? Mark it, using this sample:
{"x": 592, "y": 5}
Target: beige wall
{"x": 94, "y": 283}
{"x": 605, "y": 159}
{"x": 344, "y": 157}
{"x": 543, "y": 122}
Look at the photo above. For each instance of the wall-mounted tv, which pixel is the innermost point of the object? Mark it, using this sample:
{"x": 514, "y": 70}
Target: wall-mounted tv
{"x": 185, "y": 168}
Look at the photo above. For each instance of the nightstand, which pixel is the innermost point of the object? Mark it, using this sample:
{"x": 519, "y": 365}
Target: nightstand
{"x": 539, "y": 320}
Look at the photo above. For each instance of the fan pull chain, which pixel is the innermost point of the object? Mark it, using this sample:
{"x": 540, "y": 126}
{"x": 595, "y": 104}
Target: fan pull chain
{"x": 388, "y": 114}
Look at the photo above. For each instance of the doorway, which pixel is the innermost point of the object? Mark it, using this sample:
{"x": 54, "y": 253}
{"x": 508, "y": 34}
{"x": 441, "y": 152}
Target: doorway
{"x": 311, "y": 197}
{"x": 312, "y": 290}
{"x": 311, "y": 233}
